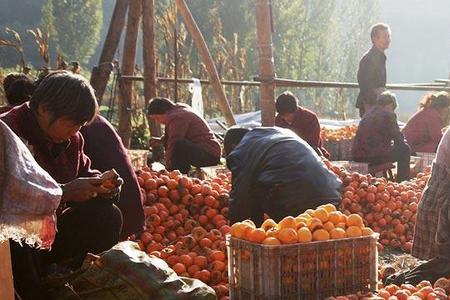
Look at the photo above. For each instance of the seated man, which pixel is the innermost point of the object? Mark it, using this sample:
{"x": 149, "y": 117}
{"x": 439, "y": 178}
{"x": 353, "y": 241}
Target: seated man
{"x": 188, "y": 140}
{"x": 88, "y": 221}
{"x": 18, "y": 89}
{"x": 300, "y": 120}
{"x": 275, "y": 172}
{"x": 378, "y": 138}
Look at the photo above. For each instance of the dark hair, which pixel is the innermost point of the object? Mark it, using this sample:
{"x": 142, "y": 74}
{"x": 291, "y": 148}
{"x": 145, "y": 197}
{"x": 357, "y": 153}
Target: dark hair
{"x": 286, "y": 103}
{"x": 233, "y": 137}
{"x": 66, "y": 95}
{"x": 437, "y": 100}
{"x": 10, "y": 78}
{"x": 386, "y": 98}
{"x": 377, "y": 28}
{"x": 159, "y": 106}
{"x": 19, "y": 92}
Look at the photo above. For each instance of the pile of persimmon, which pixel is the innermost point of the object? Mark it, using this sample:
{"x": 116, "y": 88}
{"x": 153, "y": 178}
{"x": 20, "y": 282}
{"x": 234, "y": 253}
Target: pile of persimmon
{"x": 343, "y": 133}
{"x": 389, "y": 208}
{"x": 185, "y": 224}
{"x": 322, "y": 224}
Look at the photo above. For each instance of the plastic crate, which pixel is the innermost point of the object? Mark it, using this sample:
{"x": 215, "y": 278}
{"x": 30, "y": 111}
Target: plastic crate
{"x": 426, "y": 159}
{"x": 313, "y": 270}
{"x": 339, "y": 150}
{"x": 138, "y": 158}
{"x": 213, "y": 171}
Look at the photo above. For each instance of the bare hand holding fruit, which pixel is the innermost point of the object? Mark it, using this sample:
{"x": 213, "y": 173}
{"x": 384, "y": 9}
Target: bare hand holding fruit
{"x": 111, "y": 184}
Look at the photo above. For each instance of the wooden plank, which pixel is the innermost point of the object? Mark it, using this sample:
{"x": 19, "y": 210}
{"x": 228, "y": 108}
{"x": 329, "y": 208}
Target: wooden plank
{"x": 204, "y": 53}
{"x": 266, "y": 65}
{"x": 128, "y": 64}
{"x": 100, "y": 74}
{"x": 6, "y": 276}
{"x": 148, "y": 38}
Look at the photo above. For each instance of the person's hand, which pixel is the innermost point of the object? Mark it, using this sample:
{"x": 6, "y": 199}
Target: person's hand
{"x": 112, "y": 184}
{"x": 82, "y": 189}
{"x": 155, "y": 142}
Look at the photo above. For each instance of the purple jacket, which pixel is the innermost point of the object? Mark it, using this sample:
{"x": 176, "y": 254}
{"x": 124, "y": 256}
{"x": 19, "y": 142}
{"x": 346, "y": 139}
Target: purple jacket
{"x": 106, "y": 151}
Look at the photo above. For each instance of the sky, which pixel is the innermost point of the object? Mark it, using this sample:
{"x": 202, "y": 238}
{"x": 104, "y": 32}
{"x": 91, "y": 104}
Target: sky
{"x": 420, "y": 47}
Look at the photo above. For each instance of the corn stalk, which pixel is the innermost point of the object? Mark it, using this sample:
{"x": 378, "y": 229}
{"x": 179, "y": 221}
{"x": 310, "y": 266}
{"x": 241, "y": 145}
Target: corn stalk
{"x": 15, "y": 43}
{"x": 42, "y": 42}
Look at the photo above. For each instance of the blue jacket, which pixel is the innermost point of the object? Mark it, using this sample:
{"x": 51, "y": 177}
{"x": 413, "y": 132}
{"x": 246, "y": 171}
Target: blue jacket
{"x": 276, "y": 172}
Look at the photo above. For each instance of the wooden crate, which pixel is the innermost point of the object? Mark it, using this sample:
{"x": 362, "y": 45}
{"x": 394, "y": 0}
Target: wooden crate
{"x": 313, "y": 270}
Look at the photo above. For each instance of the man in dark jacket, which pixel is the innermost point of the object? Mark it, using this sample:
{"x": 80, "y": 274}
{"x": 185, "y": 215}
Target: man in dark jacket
{"x": 275, "y": 172}
{"x": 372, "y": 68}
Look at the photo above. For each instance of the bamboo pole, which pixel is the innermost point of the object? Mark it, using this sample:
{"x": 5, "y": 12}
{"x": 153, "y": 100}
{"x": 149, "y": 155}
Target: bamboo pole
{"x": 199, "y": 41}
{"x": 100, "y": 74}
{"x": 6, "y": 275}
{"x": 128, "y": 64}
{"x": 148, "y": 37}
{"x": 266, "y": 65}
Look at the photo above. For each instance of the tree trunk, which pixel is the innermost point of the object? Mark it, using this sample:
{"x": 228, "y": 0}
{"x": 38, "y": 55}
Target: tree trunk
{"x": 128, "y": 64}
{"x": 266, "y": 68}
{"x": 148, "y": 35}
{"x": 100, "y": 74}
{"x": 199, "y": 41}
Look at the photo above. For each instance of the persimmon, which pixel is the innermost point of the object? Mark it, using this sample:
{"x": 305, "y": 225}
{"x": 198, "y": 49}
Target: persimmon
{"x": 287, "y": 235}
{"x": 200, "y": 261}
{"x": 320, "y": 235}
{"x": 257, "y": 235}
{"x": 304, "y": 235}
{"x": 271, "y": 241}
{"x": 338, "y": 233}
{"x": 287, "y": 222}
{"x": 354, "y": 231}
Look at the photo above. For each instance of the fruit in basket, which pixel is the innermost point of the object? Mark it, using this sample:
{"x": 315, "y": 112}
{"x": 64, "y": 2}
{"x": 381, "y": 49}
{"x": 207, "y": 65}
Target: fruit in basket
{"x": 271, "y": 241}
{"x": 320, "y": 235}
{"x": 257, "y": 235}
{"x": 268, "y": 224}
{"x": 287, "y": 222}
{"x": 304, "y": 235}
{"x": 287, "y": 235}
{"x": 337, "y": 233}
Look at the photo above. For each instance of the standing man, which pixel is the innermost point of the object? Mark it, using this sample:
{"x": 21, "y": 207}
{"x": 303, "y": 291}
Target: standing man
{"x": 372, "y": 68}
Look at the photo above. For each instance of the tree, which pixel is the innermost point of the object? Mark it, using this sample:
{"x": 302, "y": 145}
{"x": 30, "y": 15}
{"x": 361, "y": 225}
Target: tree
{"x": 74, "y": 26}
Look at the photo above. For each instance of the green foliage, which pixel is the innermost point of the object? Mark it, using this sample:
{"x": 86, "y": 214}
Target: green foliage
{"x": 75, "y": 26}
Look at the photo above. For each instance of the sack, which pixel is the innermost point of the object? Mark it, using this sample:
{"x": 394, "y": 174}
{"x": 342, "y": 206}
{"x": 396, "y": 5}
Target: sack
{"x": 29, "y": 196}
{"x": 125, "y": 272}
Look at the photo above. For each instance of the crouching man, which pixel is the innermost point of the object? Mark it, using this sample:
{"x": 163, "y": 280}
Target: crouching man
{"x": 275, "y": 172}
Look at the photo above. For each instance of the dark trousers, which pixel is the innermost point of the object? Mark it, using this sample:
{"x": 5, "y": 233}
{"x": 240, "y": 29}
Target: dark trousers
{"x": 186, "y": 153}
{"x": 92, "y": 226}
{"x": 400, "y": 154}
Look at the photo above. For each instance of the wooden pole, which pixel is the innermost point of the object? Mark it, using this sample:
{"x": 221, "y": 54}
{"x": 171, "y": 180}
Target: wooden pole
{"x": 128, "y": 64}
{"x": 199, "y": 41}
{"x": 6, "y": 275}
{"x": 266, "y": 66}
{"x": 148, "y": 37}
{"x": 100, "y": 74}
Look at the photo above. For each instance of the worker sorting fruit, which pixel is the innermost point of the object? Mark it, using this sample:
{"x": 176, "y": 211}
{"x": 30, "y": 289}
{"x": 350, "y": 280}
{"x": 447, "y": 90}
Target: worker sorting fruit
{"x": 275, "y": 172}
{"x": 300, "y": 120}
{"x": 188, "y": 140}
